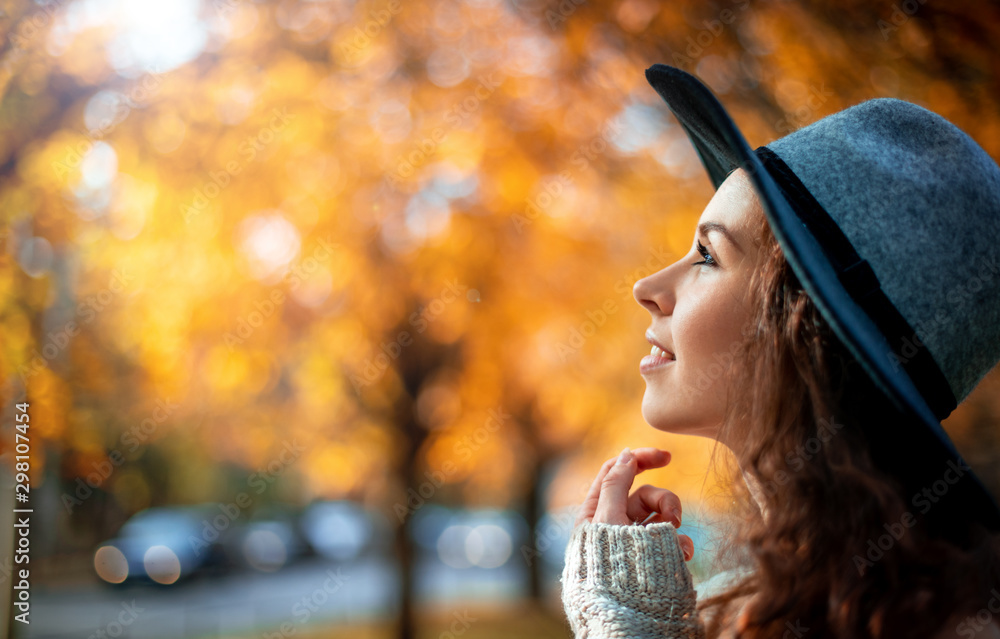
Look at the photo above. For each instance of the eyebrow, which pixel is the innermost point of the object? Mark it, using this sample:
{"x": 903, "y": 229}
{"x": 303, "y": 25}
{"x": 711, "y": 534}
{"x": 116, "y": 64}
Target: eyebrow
{"x": 706, "y": 227}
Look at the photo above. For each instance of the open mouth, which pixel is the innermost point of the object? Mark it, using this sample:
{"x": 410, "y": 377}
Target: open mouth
{"x": 657, "y": 357}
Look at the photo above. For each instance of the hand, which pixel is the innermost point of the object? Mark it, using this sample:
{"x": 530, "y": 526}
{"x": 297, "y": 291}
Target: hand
{"x": 608, "y": 500}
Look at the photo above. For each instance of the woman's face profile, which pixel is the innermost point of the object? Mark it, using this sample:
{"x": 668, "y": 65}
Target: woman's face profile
{"x": 700, "y": 308}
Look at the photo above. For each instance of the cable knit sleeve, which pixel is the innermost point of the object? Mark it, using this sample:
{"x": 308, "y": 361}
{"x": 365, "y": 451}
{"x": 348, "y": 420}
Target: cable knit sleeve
{"x": 628, "y": 581}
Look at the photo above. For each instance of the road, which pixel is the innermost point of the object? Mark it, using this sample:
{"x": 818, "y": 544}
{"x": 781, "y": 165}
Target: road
{"x": 257, "y": 604}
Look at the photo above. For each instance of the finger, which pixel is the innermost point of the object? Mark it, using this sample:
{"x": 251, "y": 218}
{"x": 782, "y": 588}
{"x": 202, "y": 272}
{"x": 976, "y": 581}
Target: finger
{"x": 590, "y": 501}
{"x": 649, "y": 499}
{"x": 613, "y": 498}
{"x": 687, "y": 545}
{"x": 647, "y": 457}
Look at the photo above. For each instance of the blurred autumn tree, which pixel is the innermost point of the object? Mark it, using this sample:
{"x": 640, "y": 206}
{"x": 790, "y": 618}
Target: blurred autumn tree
{"x": 401, "y": 234}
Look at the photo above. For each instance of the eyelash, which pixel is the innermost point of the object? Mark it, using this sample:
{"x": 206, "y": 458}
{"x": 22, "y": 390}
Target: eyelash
{"x": 709, "y": 260}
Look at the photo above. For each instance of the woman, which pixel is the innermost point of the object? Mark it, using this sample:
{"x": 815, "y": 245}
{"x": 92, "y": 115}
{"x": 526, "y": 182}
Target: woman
{"x": 827, "y": 285}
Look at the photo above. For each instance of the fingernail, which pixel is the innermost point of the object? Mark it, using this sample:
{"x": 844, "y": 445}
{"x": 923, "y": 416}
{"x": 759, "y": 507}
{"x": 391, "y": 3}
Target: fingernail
{"x": 677, "y": 514}
{"x": 625, "y": 456}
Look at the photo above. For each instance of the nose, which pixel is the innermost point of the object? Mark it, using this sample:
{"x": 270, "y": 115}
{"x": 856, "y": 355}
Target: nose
{"x": 655, "y": 292}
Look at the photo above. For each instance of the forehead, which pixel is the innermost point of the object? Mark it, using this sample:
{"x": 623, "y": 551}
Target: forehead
{"x": 735, "y": 205}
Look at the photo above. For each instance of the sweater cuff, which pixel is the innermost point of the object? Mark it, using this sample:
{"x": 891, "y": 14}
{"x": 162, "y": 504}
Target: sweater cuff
{"x": 638, "y": 570}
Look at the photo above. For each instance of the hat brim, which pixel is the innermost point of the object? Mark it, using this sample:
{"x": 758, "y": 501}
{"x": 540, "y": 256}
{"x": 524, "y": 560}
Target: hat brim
{"x": 722, "y": 148}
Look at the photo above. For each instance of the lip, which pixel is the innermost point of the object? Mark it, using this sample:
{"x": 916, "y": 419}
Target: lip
{"x": 652, "y": 340}
{"x": 653, "y": 362}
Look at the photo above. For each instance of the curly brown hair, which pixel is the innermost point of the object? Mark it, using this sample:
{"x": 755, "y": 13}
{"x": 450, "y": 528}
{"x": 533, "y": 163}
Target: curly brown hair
{"x": 840, "y": 468}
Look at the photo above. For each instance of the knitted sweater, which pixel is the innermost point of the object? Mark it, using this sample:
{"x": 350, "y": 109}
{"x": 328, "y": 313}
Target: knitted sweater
{"x": 631, "y": 582}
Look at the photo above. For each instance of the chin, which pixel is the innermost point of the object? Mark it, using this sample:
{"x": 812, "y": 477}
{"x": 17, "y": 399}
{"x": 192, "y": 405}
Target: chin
{"x": 661, "y": 416}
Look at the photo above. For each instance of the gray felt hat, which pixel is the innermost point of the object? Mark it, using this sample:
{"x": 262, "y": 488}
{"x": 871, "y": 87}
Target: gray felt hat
{"x": 889, "y": 215}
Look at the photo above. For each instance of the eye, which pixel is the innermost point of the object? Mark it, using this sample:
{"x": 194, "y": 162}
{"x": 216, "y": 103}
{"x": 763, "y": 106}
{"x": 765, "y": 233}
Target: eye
{"x": 709, "y": 260}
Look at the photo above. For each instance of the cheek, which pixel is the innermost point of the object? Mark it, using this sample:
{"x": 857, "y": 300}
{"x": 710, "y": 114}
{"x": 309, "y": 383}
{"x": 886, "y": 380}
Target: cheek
{"x": 702, "y": 327}
{"x": 706, "y": 334}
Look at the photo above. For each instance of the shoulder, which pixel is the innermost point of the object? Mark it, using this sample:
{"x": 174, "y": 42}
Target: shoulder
{"x": 959, "y": 626}
{"x": 717, "y": 584}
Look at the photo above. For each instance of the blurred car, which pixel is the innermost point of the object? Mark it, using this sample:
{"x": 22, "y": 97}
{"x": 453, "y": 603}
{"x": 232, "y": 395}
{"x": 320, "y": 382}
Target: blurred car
{"x": 268, "y": 541}
{"x": 165, "y": 545}
{"x": 469, "y": 538}
{"x": 341, "y": 530}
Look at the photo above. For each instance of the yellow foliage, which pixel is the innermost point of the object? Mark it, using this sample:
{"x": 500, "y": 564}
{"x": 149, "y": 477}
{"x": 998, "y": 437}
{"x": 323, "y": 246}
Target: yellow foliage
{"x": 452, "y": 158}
